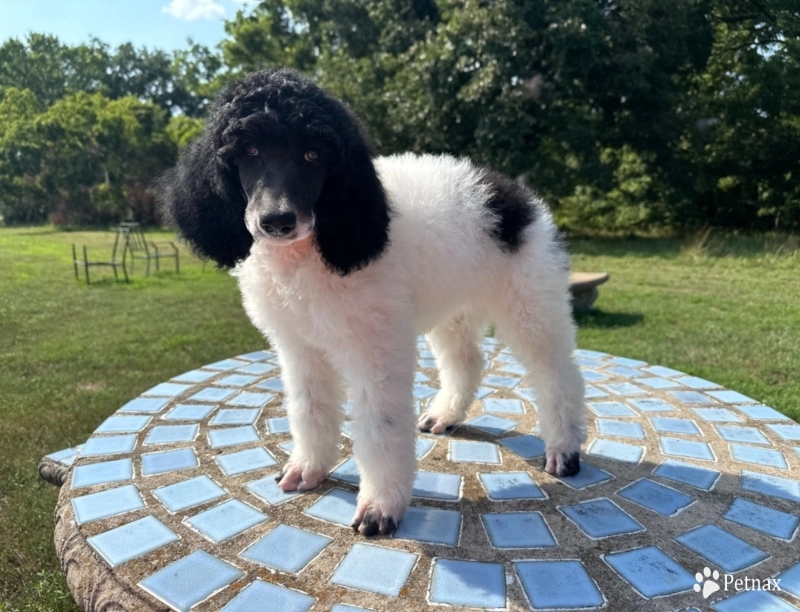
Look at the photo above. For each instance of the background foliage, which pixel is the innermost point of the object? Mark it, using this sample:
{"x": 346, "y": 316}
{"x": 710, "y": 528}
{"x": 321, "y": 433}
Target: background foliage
{"x": 628, "y": 115}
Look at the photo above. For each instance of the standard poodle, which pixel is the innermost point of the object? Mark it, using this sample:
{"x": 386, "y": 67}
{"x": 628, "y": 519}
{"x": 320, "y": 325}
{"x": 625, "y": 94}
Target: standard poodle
{"x": 344, "y": 258}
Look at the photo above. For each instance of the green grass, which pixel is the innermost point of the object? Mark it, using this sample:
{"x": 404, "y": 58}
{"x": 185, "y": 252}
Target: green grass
{"x": 726, "y": 310}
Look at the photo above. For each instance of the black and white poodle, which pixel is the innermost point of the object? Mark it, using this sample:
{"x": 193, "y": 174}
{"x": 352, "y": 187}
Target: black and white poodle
{"x": 343, "y": 259}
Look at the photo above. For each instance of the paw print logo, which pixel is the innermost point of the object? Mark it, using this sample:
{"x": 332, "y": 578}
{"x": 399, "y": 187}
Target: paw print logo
{"x": 705, "y": 579}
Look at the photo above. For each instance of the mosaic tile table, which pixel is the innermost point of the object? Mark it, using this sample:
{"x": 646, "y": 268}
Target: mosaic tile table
{"x": 172, "y": 503}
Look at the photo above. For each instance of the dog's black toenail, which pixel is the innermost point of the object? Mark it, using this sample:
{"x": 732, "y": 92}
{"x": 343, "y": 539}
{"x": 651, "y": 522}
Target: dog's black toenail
{"x": 280, "y": 476}
{"x": 571, "y": 466}
{"x": 544, "y": 464}
{"x": 388, "y": 525}
{"x": 355, "y": 525}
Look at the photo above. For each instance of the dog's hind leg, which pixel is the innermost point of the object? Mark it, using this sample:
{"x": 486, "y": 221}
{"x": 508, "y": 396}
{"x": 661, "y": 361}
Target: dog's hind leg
{"x": 455, "y": 342}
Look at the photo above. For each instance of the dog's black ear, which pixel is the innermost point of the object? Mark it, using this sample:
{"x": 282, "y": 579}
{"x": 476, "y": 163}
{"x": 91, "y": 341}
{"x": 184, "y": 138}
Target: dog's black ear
{"x": 202, "y": 197}
{"x": 352, "y": 214}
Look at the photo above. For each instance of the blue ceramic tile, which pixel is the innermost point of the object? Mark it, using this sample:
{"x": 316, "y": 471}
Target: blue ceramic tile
{"x": 507, "y": 382}
{"x": 278, "y": 425}
{"x": 168, "y": 461}
{"x": 236, "y": 416}
{"x": 691, "y": 397}
{"x": 287, "y": 447}
{"x": 132, "y": 540}
{"x": 624, "y": 371}
{"x": 430, "y": 525}
{"x": 762, "y": 413}
{"x": 514, "y": 530}
{"x": 112, "y": 502}
{"x": 236, "y": 380}
{"x": 491, "y": 424}
{"x": 257, "y": 369}
{"x": 591, "y": 392}
{"x": 787, "y": 432}
{"x": 375, "y": 569}
{"x": 170, "y": 434}
{"x": 423, "y": 391}
{"x": 167, "y": 390}
{"x": 774, "y": 486}
{"x": 189, "y": 412}
{"x": 588, "y": 362}
{"x": 526, "y": 446}
{"x": 336, "y": 506}
{"x": 225, "y": 365}
{"x": 659, "y": 498}
{"x": 501, "y": 486}
{"x": 625, "y": 361}
{"x": 195, "y": 376}
{"x": 525, "y": 393}
{"x": 753, "y": 601}
{"x": 245, "y": 461}
{"x": 191, "y": 579}
{"x": 758, "y": 456}
{"x": 426, "y": 354}
{"x": 188, "y": 493}
{"x": 610, "y": 409}
{"x": 732, "y": 397}
{"x": 427, "y": 363}
{"x": 558, "y": 584}
{"x": 123, "y": 424}
{"x": 268, "y": 490}
{"x": 685, "y": 473}
{"x": 347, "y": 429}
{"x": 693, "y": 382}
{"x": 147, "y": 405}
{"x": 463, "y": 451}
{"x": 658, "y": 383}
{"x": 721, "y": 548}
{"x": 250, "y": 400}
{"x": 468, "y": 583}
{"x": 286, "y": 548}
{"x": 790, "y": 580}
{"x": 619, "y": 451}
{"x": 419, "y": 377}
{"x": 621, "y": 429}
{"x": 272, "y": 384}
{"x": 686, "y": 448}
{"x": 232, "y": 436}
{"x": 257, "y": 356}
{"x": 766, "y": 520}
{"x": 253, "y": 598}
{"x": 592, "y": 376}
{"x": 347, "y": 471}
{"x": 732, "y": 433}
{"x": 212, "y": 394}
{"x": 651, "y": 571}
{"x": 651, "y": 404}
{"x": 423, "y": 447}
{"x": 716, "y": 415}
{"x": 436, "y": 485}
{"x": 673, "y": 425}
{"x": 587, "y": 477}
{"x": 110, "y": 445}
{"x": 623, "y": 388}
{"x": 503, "y": 406}
{"x": 64, "y": 455}
{"x": 590, "y": 354}
{"x": 514, "y": 368}
{"x": 662, "y": 371}
{"x": 601, "y": 518}
{"x": 229, "y": 519}
{"x": 102, "y": 473}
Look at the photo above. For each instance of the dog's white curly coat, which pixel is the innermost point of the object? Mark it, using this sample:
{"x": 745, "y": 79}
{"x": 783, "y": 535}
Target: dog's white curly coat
{"x": 443, "y": 274}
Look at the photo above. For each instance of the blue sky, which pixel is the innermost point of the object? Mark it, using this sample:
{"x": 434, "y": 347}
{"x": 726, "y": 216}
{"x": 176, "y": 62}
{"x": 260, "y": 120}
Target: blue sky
{"x": 164, "y": 24}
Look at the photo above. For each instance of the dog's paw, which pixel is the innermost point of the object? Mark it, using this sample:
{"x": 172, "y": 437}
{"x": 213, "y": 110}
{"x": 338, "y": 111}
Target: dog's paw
{"x": 435, "y": 424}
{"x": 372, "y": 518}
{"x": 295, "y": 477}
{"x": 562, "y": 463}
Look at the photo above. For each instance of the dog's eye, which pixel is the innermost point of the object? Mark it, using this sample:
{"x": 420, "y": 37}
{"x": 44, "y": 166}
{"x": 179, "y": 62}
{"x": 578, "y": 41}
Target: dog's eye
{"x": 251, "y": 150}
{"x": 311, "y": 156}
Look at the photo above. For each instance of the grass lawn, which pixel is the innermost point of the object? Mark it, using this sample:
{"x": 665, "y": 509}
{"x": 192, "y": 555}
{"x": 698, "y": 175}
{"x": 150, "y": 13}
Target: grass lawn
{"x": 728, "y": 311}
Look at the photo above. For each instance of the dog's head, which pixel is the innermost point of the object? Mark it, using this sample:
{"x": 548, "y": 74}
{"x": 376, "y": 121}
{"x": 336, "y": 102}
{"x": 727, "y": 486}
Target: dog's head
{"x": 280, "y": 160}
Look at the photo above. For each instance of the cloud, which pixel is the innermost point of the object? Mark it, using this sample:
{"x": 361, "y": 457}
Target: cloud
{"x": 191, "y": 10}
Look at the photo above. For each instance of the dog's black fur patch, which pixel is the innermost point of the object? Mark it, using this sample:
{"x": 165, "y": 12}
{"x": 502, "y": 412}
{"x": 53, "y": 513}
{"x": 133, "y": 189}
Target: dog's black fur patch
{"x": 513, "y": 209}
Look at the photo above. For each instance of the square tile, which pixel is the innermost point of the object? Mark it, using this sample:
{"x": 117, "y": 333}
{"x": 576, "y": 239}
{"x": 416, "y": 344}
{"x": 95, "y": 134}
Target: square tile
{"x": 287, "y": 447}
{"x": 232, "y": 436}
{"x": 732, "y": 433}
{"x": 694, "y": 382}
{"x": 189, "y": 412}
{"x": 610, "y": 409}
{"x": 654, "y": 382}
{"x": 468, "y": 583}
{"x": 102, "y": 473}
{"x": 148, "y": 405}
{"x": 374, "y": 569}
{"x": 195, "y": 376}
{"x": 732, "y": 397}
{"x": 507, "y": 382}
{"x": 762, "y": 413}
{"x": 278, "y": 425}
{"x": 654, "y": 496}
{"x": 691, "y": 397}
{"x": 774, "y": 486}
{"x": 188, "y": 493}
{"x": 619, "y": 451}
{"x": 514, "y": 368}
{"x": 436, "y": 485}
{"x": 132, "y": 540}
{"x": 271, "y": 384}
{"x": 229, "y": 519}
{"x": 526, "y": 446}
{"x": 427, "y": 363}
{"x": 109, "y": 445}
{"x": 96, "y": 506}
{"x": 423, "y": 447}
{"x": 257, "y": 369}
{"x": 588, "y": 362}
{"x": 716, "y": 415}
{"x": 236, "y": 380}
{"x": 503, "y": 406}
{"x": 236, "y": 416}
{"x": 423, "y": 392}
{"x": 212, "y": 394}
{"x": 491, "y": 424}
{"x": 651, "y": 571}
{"x": 590, "y": 392}
{"x": 226, "y": 364}
{"x": 347, "y": 471}
{"x": 721, "y": 548}
{"x": 631, "y": 363}
{"x": 336, "y": 506}
{"x": 168, "y": 461}
{"x": 255, "y": 594}
{"x": 167, "y": 390}
{"x": 123, "y": 424}
{"x": 515, "y": 530}
{"x": 590, "y": 354}
{"x": 257, "y": 356}
{"x": 268, "y": 490}
{"x": 66, "y": 456}
{"x": 651, "y": 404}
{"x": 592, "y": 375}
{"x": 245, "y": 461}
{"x": 558, "y": 585}
{"x": 686, "y": 427}
{"x": 662, "y": 371}
{"x": 623, "y": 388}
{"x": 587, "y": 477}
{"x": 686, "y": 448}
{"x": 286, "y": 548}
{"x": 463, "y": 451}
{"x": 501, "y": 486}
{"x": 758, "y": 456}
{"x": 760, "y": 518}
{"x": 693, "y": 475}
{"x": 790, "y": 580}
{"x": 621, "y": 429}
{"x": 601, "y": 518}
{"x": 753, "y": 601}
{"x": 787, "y": 432}
{"x": 624, "y": 371}
{"x": 525, "y": 393}
{"x": 430, "y": 525}
{"x": 250, "y": 400}
{"x": 171, "y": 434}
{"x": 190, "y": 580}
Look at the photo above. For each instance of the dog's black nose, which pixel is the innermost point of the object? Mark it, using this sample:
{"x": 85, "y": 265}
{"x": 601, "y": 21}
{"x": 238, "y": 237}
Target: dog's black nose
{"x": 278, "y": 224}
